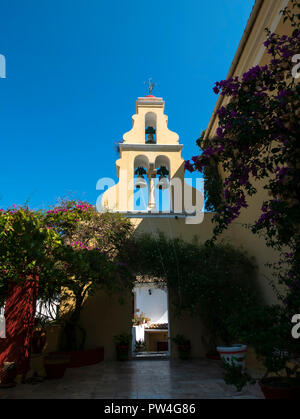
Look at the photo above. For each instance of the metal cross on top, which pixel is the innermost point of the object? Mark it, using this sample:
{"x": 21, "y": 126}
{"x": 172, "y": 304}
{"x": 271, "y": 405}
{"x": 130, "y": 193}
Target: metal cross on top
{"x": 150, "y": 85}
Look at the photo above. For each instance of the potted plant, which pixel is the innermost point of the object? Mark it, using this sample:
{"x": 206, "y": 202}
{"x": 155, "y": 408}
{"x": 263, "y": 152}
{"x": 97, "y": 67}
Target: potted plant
{"x": 140, "y": 346}
{"x": 233, "y": 354}
{"x": 267, "y": 329}
{"x": 8, "y": 373}
{"x": 281, "y": 380}
{"x": 220, "y": 337}
{"x": 122, "y": 343}
{"x": 183, "y": 346}
{"x": 56, "y": 365}
{"x": 140, "y": 319}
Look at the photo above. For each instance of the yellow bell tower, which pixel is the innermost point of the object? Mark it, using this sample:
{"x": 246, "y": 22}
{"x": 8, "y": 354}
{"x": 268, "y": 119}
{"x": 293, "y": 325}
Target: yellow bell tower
{"x": 149, "y": 150}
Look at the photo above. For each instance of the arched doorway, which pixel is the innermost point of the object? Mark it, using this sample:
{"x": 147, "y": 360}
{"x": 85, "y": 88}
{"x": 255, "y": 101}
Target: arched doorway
{"x": 150, "y": 329}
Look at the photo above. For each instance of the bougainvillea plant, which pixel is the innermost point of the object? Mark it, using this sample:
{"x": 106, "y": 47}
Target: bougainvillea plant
{"x": 258, "y": 139}
{"x": 257, "y": 142}
{"x": 70, "y": 249}
{"x": 88, "y": 259}
{"x": 26, "y": 250}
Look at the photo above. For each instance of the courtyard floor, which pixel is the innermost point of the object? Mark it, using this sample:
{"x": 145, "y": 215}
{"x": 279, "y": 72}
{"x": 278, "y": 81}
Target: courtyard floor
{"x": 143, "y": 379}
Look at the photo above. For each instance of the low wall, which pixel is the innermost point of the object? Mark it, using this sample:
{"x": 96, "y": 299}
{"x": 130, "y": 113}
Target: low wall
{"x": 190, "y": 328}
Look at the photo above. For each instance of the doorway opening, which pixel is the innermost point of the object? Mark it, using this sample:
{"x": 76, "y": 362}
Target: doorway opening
{"x": 150, "y": 314}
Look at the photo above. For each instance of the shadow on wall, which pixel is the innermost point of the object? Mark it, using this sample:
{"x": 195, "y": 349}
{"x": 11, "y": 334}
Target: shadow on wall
{"x": 104, "y": 316}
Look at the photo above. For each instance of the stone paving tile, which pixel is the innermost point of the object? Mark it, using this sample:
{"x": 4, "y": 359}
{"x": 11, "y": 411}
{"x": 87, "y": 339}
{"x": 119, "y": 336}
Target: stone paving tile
{"x": 160, "y": 379}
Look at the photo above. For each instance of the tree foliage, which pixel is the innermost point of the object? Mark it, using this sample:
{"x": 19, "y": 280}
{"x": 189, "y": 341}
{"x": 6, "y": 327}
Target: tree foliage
{"x": 26, "y": 250}
{"x": 209, "y": 282}
{"x": 72, "y": 249}
{"x": 88, "y": 259}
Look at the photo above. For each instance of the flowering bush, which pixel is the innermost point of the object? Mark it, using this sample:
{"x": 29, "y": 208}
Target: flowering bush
{"x": 70, "y": 246}
{"x": 257, "y": 141}
{"x": 88, "y": 259}
{"x": 26, "y": 250}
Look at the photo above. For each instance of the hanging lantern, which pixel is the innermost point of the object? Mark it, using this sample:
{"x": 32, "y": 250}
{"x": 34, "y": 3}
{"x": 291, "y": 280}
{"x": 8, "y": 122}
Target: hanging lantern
{"x": 150, "y": 132}
{"x": 140, "y": 182}
{"x": 163, "y": 182}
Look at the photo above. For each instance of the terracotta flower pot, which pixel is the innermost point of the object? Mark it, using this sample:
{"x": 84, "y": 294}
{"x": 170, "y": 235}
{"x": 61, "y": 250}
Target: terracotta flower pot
{"x": 8, "y": 373}
{"x": 275, "y": 388}
{"x": 56, "y": 366}
{"x": 184, "y": 351}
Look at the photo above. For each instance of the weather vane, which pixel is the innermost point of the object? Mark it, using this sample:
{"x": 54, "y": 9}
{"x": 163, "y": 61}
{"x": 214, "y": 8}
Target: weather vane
{"x": 150, "y": 85}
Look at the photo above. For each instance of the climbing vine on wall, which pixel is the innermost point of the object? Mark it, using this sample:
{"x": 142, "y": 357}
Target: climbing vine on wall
{"x": 205, "y": 281}
{"x": 257, "y": 141}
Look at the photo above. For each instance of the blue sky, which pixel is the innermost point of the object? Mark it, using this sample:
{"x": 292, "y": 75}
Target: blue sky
{"x": 74, "y": 71}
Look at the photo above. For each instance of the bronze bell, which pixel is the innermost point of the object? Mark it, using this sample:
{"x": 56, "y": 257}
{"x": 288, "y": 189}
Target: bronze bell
{"x": 140, "y": 182}
{"x": 163, "y": 183}
{"x": 163, "y": 173}
{"x": 150, "y": 132}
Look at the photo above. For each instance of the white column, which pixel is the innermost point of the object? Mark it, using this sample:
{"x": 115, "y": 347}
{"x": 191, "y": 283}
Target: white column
{"x": 151, "y": 202}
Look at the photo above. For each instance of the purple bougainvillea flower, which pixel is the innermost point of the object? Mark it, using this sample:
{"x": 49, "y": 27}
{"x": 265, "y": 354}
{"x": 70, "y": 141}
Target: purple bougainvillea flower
{"x": 220, "y": 132}
{"x": 282, "y": 94}
{"x": 208, "y": 152}
{"x": 222, "y": 112}
{"x": 188, "y": 166}
{"x": 216, "y": 90}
